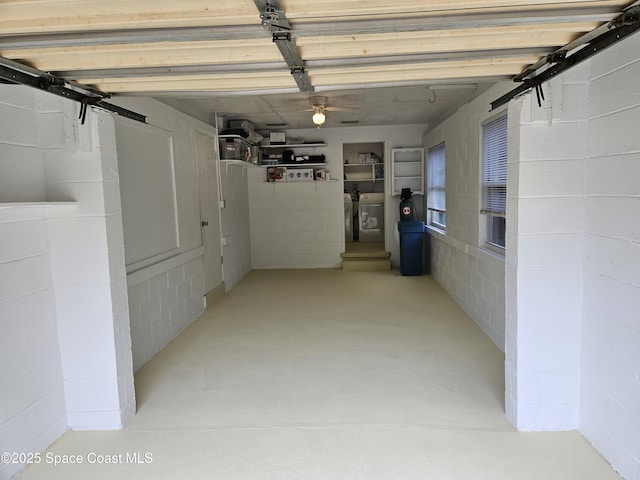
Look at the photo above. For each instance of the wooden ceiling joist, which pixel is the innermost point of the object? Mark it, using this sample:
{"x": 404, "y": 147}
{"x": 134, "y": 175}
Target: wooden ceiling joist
{"x": 47, "y": 16}
{"x": 323, "y": 77}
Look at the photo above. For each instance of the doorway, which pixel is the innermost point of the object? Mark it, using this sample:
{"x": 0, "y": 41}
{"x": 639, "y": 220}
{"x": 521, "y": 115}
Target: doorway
{"x": 364, "y": 199}
{"x": 364, "y": 193}
{"x": 209, "y": 209}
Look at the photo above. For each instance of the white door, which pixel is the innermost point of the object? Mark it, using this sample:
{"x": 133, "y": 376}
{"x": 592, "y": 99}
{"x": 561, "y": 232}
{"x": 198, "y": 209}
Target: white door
{"x": 207, "y": 155}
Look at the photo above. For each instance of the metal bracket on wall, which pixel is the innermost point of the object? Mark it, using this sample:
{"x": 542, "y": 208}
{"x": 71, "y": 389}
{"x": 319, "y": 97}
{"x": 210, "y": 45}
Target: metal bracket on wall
{"x": 603, "y": 37}
{"x": 15, "y": 73}
{"x": 274, "y": 20}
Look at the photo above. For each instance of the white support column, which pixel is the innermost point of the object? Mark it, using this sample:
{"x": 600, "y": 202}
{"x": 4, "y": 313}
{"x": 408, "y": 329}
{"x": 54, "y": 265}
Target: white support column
{"x": 87, "y": 255}
{"x": 547, "y": 156}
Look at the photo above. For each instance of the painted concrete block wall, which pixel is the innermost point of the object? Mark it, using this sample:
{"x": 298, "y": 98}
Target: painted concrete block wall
{"x": 302, "y": 225}
{"x": 472, "y": 275}
{"x": 84, "y": 329}
{"x": 474, "y": 279}
{"x": 21, "y": 159}
{"x": 166, "y": 297}
{"x": 544, "y": 256}
{"x": 89, "y": 274}
{"x": 163, "y": 306}
{"x": 293, "y": 224}
{"x": 572, "y": 359}
{"x": 32, "y": 403}
{"x": 610, "y": 375}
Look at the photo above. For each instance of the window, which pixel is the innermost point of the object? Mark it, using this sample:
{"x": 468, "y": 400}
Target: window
{"x": 436, "y": 201}
{"x": 494, "y": 179}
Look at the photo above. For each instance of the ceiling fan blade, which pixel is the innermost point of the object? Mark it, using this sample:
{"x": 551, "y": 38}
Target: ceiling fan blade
{"x": 303, "y": 110}
{"x": 340, "y": 109}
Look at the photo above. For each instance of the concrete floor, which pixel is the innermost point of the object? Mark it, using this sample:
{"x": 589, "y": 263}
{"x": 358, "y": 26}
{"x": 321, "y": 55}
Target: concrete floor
{"x": 327, "y": 374}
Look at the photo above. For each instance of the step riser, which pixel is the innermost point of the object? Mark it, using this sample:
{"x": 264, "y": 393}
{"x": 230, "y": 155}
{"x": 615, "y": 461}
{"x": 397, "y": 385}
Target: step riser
{"x": 366, "y": 265}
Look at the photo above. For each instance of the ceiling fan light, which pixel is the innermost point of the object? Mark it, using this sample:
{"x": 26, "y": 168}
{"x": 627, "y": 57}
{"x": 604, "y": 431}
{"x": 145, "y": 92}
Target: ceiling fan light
{"x": 318, "y": 117}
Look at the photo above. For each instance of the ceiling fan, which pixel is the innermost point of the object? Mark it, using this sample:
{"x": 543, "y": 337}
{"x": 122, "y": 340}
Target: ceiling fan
{"x": 319, "y": 107}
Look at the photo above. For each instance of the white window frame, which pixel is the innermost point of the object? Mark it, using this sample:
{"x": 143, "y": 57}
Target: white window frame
{"x": 436, "y": 187}
{"x": 493, "y": 191}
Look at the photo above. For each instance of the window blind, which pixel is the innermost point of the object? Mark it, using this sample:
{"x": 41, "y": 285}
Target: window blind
{"x": 494, "y": 167}
{"x": 436, "y": 198}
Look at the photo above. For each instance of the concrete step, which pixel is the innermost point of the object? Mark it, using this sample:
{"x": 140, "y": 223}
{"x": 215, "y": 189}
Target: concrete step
{"x": 366, "y": 264}
{"x": 366, "y": 257}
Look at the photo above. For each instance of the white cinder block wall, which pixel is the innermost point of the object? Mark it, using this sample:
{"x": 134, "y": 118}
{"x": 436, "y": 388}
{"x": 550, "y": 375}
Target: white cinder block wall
{"x": 610, "y": 374}
{"x": 572, "y": 285}
{"x": 32, "y": 405}
{"x": 87, "y": 253}
{"x": 63, "y": 300}
{"x": 165, "y": 297}
{"x": 573, "y": 281}
{"x": 163, "y": 301}
{"x": 544, "y": 255}
{"x": 21, "y": 158}
{"x": 295, "y": 225}
{"x": 301, "y": 225}
{"x": 472, "y": 275}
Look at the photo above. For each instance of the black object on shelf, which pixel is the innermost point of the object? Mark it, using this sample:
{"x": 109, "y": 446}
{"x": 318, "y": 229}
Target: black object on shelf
{"x": 234, "y": 131}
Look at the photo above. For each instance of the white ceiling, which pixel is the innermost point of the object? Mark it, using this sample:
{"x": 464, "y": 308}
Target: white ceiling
{"x": 400, "y": 105}
{"x": 378, "y": 57}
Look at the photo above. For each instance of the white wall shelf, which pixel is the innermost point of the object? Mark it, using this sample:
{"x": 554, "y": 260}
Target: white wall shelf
{"x": 407, "y": 170}
{"x": 36, "y": 204}
{"x": 296, "y": 165}
{"x": 268, "y": 151}
{"x": 241, "y": 153}
{"x": 363, "y": 172}
{"x": 242, "y": 163}
{"x": 301, "y": 169}
{"x": 236, "y": 137}
{"x": 295, "y": 145}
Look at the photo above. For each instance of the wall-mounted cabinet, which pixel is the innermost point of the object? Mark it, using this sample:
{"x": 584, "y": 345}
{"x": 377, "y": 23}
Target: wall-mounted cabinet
{"x": 407, "y": 170}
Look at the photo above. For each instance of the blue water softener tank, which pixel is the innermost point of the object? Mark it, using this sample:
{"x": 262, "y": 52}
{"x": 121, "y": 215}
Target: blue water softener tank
{"x": 411, "y": 236}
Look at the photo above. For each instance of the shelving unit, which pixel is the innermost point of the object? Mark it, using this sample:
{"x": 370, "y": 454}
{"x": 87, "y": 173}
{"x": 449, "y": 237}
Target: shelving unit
{"x": 296, "y": 166}
{"x": 290, "y": 146}
{"x": 363, "y": 172}
{"x": 295, "y": 145}
{"x": 407, "y": 170}
{"x": 363, "y": 167}
{"x": 241, "y": 153}
{"x": 293, "y": 165}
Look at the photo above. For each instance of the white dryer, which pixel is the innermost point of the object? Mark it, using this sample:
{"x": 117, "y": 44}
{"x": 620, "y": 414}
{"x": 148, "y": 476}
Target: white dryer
{"x": 371, "y": 217}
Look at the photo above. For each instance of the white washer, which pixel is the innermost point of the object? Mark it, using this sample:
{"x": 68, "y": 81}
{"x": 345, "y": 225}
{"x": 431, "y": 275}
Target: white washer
{"x": 348, "y": 218}
{"x": 371, "y": 217}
